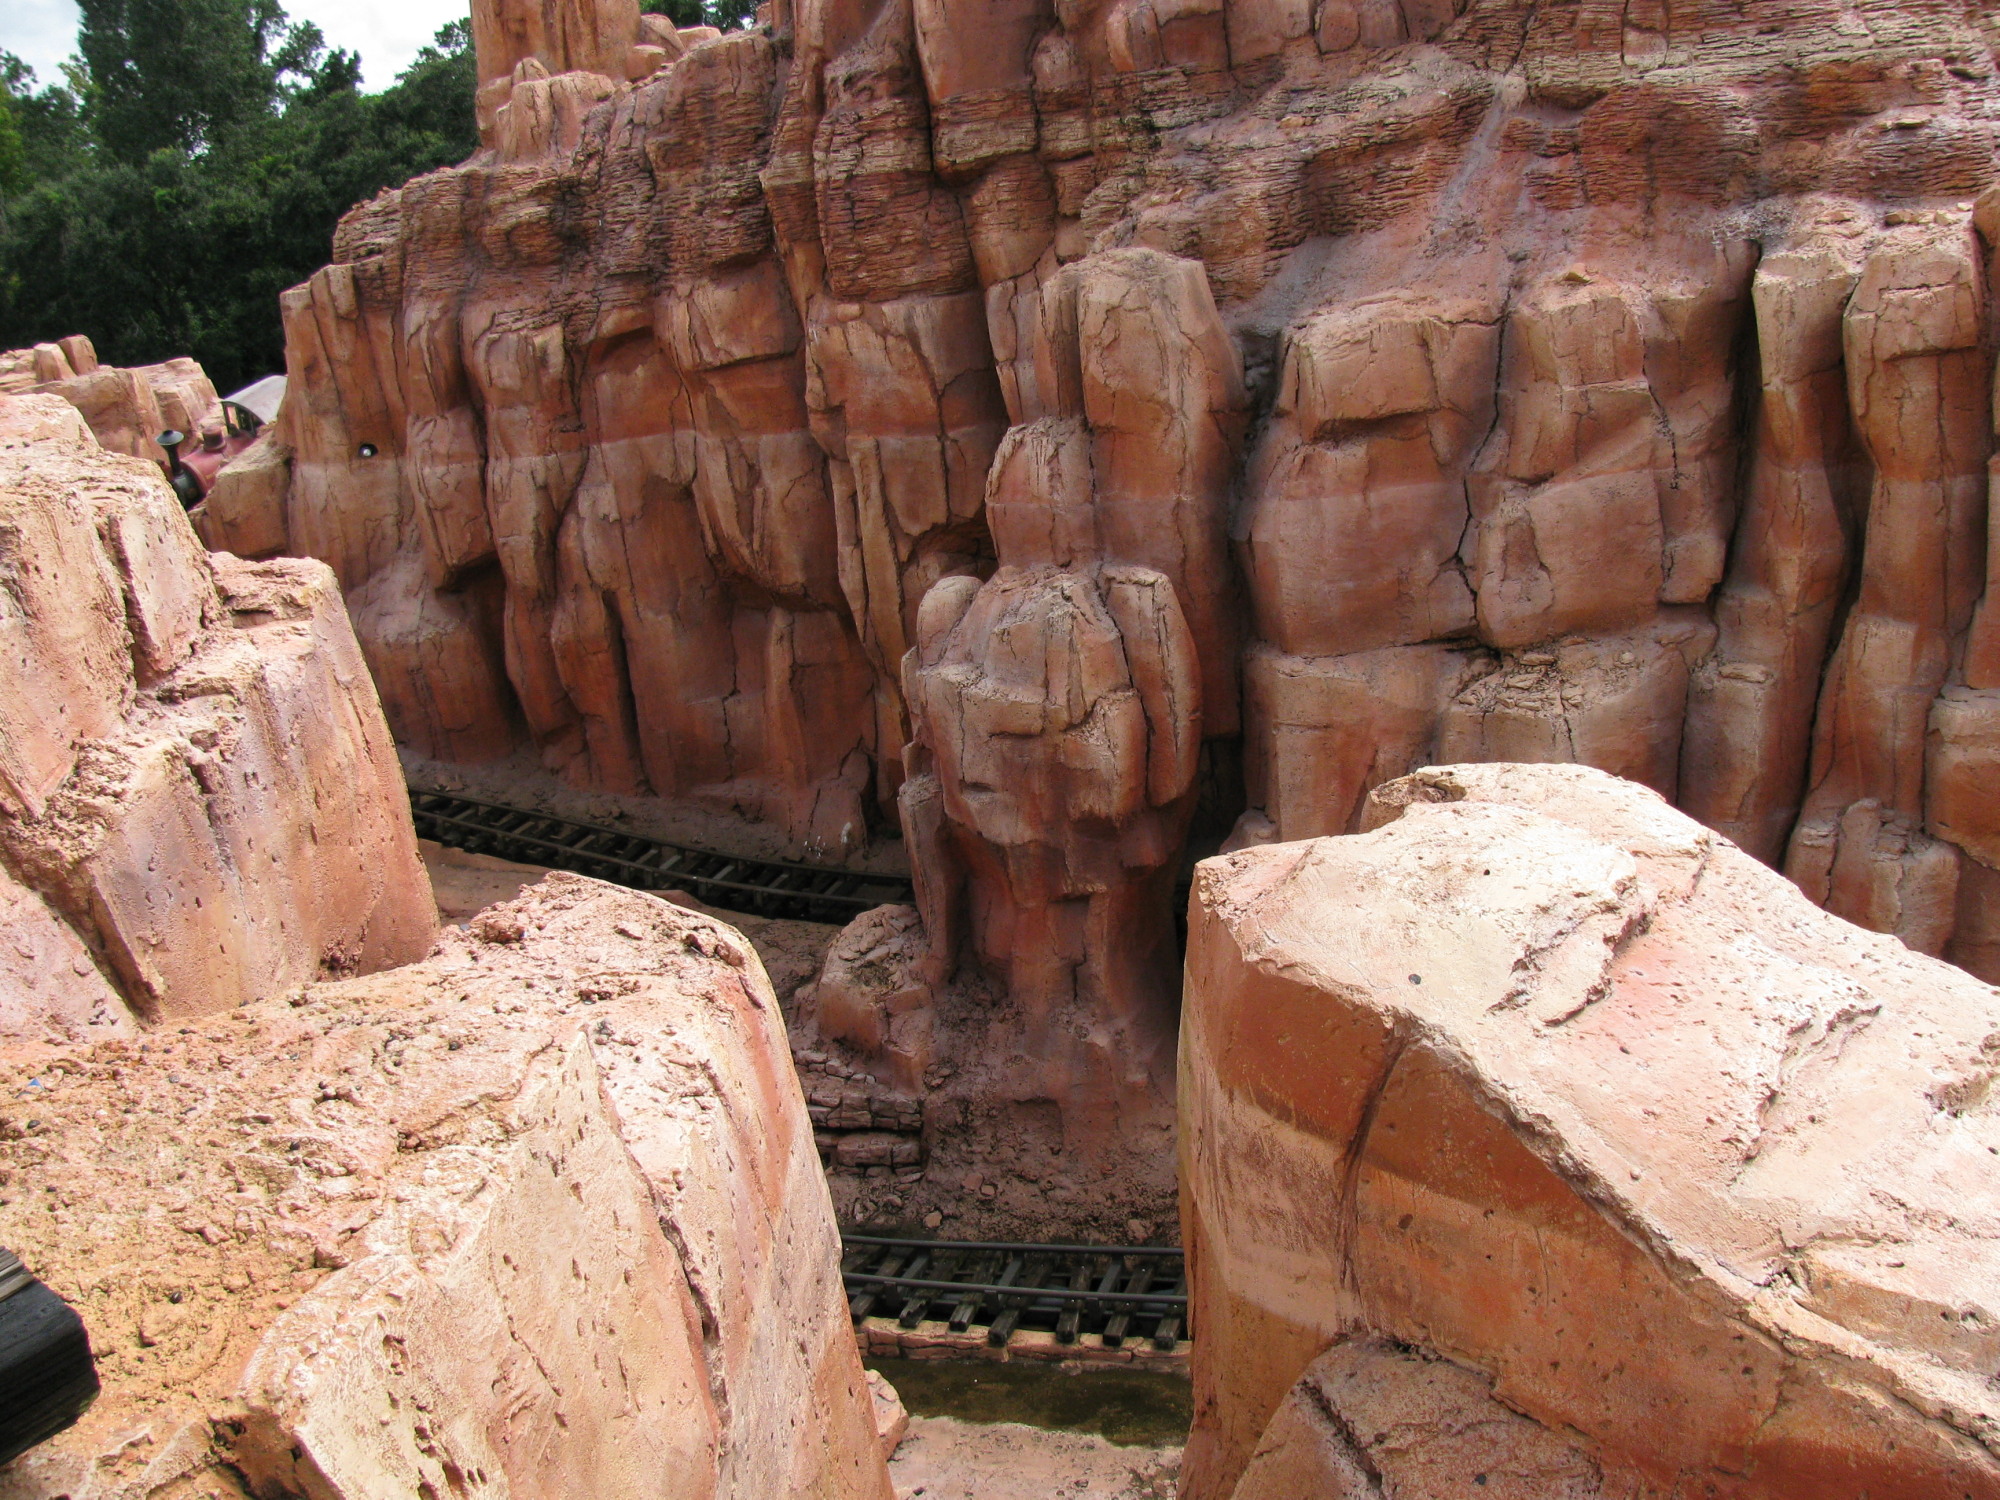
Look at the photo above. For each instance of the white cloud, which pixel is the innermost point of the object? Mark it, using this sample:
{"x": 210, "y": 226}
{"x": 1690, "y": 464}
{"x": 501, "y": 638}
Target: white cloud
{"x": 387, "y": 33}
{"x": 40, "y": 32}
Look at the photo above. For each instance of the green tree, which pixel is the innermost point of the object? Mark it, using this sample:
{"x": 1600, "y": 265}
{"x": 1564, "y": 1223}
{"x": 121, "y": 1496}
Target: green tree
{"x": 178, "y": 74}
{"x": 728, "y": 15}
{"x": 184, "y": 247}
{"x": 46, "y": 125}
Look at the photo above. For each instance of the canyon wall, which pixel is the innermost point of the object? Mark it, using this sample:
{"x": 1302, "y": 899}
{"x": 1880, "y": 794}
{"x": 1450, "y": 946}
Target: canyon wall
{"x": 539, "y": 1216}
{"x": 1069, "y": 427}
{"x": 1539, "y": 1142}
{"x": 200, "y": 804}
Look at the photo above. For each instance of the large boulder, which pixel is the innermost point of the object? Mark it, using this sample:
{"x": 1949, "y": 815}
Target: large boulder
{"x": 1674, "y": 1182}
{"x": 538, "y": 1216}
{"x": 200, "y": 803}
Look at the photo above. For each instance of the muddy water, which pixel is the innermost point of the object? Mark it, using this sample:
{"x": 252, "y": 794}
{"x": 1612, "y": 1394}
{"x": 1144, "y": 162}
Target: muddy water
{"x": 1133, "y": 1408}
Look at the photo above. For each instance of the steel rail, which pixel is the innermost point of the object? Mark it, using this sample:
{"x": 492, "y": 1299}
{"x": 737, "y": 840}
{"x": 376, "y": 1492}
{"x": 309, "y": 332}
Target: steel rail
{"x": 1016, "y": 1286}
{"x": 1162, "y": 1300}
{"x": 1024, "y": 1248}
{"x": 758, "y": 887}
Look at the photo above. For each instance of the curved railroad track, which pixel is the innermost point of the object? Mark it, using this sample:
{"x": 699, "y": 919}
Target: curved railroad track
{"x": 1112, "y": 1294}
{"x": 758, "y": 887}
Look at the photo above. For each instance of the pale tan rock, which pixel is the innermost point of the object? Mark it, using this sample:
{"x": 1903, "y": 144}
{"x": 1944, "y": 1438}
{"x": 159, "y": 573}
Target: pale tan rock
{"x": 951, "y": 1459}
{"x": 121, "y": 407}
{"x": 201, "y": 792}
{"x": 1368, "y": 1415}
{"x": 51, "y": 989}
{"x": 80, "y": 352}
{"x": 245, "y": 828}
{"x": 892, "y": 1422}
{"x": 465, "y": 884}
{"x": 184, "y": 395}
{"x": 161, "y": 568}
{"x": 44, "y": 423}
{"x": 67, "y": 652}
{"x": 244, "y": 510}
{"x": 540, "y": 1211}
{"x": 1542, "y": 1078}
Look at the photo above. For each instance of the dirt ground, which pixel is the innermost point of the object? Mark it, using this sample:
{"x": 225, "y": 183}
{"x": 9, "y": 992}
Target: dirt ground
{"x": 946, "y": 1459}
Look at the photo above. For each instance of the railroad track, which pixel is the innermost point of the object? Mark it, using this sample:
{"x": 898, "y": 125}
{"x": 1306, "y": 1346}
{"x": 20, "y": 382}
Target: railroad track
{"x": 759, "y": 887}
{"x": 1119, "y": 1293}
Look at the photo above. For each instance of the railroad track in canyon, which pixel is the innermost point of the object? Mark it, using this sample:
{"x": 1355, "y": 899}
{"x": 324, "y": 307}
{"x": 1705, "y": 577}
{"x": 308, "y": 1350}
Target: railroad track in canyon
{"x": 756, "y": 887}
{"x": 1101, "y": 1296}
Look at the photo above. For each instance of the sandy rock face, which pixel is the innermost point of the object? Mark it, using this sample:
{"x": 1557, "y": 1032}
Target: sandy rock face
{"x": 539, "y": 1215}
{"x": 199, "y": 801}
{"x": 1369, "y": 1416}
{"x": 781, "y": 421}
{"x": 1650, "y": 1173}
{"x": 126, "y": 408}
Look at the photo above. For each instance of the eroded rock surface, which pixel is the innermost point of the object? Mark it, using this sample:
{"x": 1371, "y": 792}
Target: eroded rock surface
{"x": 1541, "y": 1139}
{"x": 537, "y": 1216}
{"x": 1097, "y": 424}
{"x": 200, "y": 803}
{"x": 127, "y": 409}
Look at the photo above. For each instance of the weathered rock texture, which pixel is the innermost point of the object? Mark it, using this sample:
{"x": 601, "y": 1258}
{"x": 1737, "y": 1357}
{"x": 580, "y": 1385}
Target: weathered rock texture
{"x": 1160, "y": 413}
{"x": 200, "y": 803}
{"x": 539, "y": 1216}
{"x": 127, "y": 409}
{"x": 1540, "y": 1142}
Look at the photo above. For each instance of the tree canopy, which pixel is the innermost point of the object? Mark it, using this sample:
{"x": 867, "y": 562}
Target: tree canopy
{"x": 191, "y": 164}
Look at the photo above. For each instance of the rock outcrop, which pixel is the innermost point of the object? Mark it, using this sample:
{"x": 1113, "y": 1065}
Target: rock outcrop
{"x": 1098, "y": 424}
{"x": 200, "y": 804}
{"x": 1541, "y": 1142}
{"x": 126, "y": 408}
{"x": 538, "y": 1216}
{"x": 1057, "y": 708}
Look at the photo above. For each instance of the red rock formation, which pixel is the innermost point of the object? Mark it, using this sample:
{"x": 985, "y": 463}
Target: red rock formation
{"x": 1573, "y": 384}
{"x": 126, "y": 409}
{"x": 1550, "y": 1132}
{"x": 540, "y": 1214}
{"x": 1057, "y": 709}
{"x": 200, "y": 804}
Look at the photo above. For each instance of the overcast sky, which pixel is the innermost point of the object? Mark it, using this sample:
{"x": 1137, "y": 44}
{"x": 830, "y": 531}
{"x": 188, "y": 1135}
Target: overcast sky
{"x": 387, "y": 33}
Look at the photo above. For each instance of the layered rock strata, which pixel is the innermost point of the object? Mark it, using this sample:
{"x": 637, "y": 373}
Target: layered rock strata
{"x": 1542, "y": 1141}
{"x": 538, "y": 1216}
{"x": 200, "y": 803}
{"x": 806, "y": 424}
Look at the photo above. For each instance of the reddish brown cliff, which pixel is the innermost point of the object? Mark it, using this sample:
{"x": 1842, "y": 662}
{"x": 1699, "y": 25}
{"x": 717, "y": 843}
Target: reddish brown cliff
{"x": 1098, "y": 420}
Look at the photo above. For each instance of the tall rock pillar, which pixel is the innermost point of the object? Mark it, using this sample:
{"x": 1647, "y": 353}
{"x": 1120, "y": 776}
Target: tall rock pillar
{"x": 1057, "y": 707}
